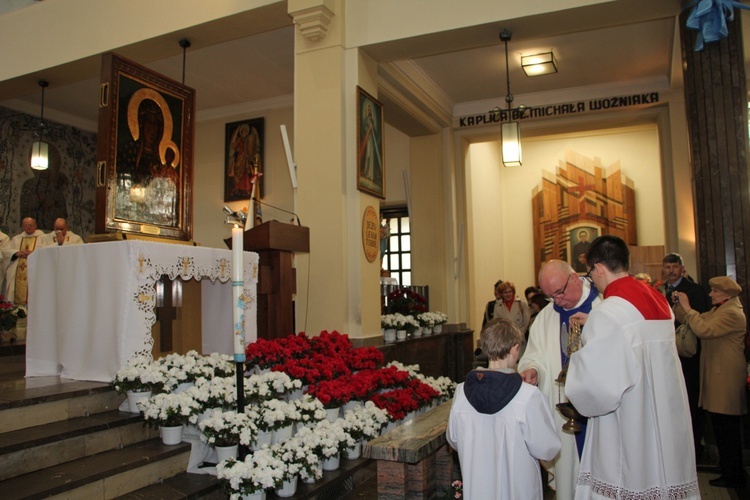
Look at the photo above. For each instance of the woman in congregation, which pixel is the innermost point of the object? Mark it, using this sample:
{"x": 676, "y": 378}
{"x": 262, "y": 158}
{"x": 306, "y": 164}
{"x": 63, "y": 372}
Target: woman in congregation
{"x": 723, "y": 372}
{"x": 511, "y": 307}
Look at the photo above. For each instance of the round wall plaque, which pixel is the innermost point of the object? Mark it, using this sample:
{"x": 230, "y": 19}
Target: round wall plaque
{"x": 370, "y": 234}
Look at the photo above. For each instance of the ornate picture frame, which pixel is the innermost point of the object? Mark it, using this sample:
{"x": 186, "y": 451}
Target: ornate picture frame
{"x": 370, "y": 145}
{"x": 145, "y": 152}
{"x": 243, "y": 159}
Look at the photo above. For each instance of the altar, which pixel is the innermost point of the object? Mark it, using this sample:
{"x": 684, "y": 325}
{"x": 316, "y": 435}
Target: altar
{"x": 91, "y": 307}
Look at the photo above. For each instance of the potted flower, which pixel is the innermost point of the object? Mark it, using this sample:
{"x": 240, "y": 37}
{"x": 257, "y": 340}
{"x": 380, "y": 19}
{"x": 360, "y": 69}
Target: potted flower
{"x": 412, "y": 326}
{"x": 169, "y": 412}
{"x": 311, "y": 410}
{"x": 259, "y": 471}
{"x": 217, "y": 392}
{"x": 271, "y": 385}
{"x": 298, "y": 457}
{"x": 138, "y": 379}
{"x": 363, "y": 423}
{"x": 223, "y": 431}
{"x": 9, "y": 316}
{"x": 327, "y": 440}
{"x": 277, "y": 417}
{"x": 441, "y": 320}
{"x": 388, "y": 325}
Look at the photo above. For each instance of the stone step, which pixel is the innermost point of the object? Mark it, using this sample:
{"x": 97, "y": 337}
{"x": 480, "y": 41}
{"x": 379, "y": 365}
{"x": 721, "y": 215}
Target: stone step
{"x": 27, "y": 450}
{"x": 33, "y": 402}
{"x": 106, "y": 475}
{"x": 182, "y": 486}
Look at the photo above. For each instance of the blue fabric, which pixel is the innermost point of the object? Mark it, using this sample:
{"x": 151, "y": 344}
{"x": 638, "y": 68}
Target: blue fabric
{"x": 709, "y": 18}
{"x": 564, "y": 319}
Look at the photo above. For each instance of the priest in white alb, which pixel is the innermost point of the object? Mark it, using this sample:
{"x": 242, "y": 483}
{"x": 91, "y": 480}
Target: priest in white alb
{"x": 15, "y": 259}
{"x": 61, "y": 235}
{"x": 627, "y": 379}
{"x": 545, "y": 356}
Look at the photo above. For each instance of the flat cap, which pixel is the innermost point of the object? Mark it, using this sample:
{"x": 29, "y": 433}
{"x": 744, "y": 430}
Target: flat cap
{"x": 726, "y": 285}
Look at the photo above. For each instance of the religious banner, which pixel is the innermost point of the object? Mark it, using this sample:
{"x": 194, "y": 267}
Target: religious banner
{"x": 577, "y": 203}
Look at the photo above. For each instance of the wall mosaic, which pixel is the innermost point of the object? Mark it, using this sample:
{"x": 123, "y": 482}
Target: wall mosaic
{"x": 66, "y": 189}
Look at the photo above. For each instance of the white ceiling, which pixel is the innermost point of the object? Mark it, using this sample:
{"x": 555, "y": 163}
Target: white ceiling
{"x": 229, "y": 71}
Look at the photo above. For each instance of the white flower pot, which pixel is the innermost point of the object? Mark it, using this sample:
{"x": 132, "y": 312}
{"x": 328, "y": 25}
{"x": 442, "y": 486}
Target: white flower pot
{"x": 417, "y": 332}
{"x": 225, "y": 452}
{"x": 332, "y": 414}
{"x": 427, "y": 330}
{"x": 390, "y": 335}
{"x": 354, "y": 452}
{"x": 171, "y": 435}
{"x": 400, "y": 334}
{"x": 183, "y": 387}
{"x": 353, "y": 405}
{"x": 134, "y": 397}
{"x": 263, "y": 438}
{"x": 288, "y": 488}
{"x": 258, "y": 495}
{"x": 331, "y": 463}
{"x": 312, "y": 480}
{"x": 281, "y": 435}
{"x": 438, "y": 328}
{"x": 294, "y": 395}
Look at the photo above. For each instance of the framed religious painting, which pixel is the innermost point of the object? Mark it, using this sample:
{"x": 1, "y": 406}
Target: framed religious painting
{"x": 370, "y": 159}
{"x": 145, "y": 152}
{"x": 580, "y": 238}
{"x": 243, "y": 159}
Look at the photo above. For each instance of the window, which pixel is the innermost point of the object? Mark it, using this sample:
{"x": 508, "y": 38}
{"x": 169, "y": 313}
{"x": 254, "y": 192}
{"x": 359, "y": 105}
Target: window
{"x": 397, "y": 257}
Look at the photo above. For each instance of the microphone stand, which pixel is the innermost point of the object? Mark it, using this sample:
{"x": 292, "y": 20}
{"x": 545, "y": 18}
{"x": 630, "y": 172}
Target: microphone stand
{"x": 256, "y": 200}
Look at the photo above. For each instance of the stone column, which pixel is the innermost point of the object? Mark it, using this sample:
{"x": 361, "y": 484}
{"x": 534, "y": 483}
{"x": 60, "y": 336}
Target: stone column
{"x": 716, "y": 104}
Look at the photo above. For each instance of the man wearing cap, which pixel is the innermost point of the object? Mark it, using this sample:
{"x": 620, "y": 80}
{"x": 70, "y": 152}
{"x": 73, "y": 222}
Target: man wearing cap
{"x": 722, "y": 372}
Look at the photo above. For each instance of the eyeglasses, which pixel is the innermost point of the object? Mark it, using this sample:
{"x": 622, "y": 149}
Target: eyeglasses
{"x": 560, "y": 293}
{"x": 587, "y": 276}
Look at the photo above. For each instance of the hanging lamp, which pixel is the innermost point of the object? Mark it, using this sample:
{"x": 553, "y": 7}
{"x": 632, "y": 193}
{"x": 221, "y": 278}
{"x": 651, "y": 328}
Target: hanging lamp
{"x": 510, "y": 132}
{"x": 40, "y": 148}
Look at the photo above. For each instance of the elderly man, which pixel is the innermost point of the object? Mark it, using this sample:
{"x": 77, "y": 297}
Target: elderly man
{"x": 62, "y": 236}
{"x": 21, "y": 246}
{"x": 627, "y": 379}
{"x": 544, "y": 358}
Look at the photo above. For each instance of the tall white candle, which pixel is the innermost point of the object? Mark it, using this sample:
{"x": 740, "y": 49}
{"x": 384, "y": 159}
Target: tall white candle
{"x": 238, "y": 284}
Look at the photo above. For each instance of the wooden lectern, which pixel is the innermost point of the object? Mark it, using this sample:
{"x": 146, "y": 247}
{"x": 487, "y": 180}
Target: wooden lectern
{"x": 275, "y": 242}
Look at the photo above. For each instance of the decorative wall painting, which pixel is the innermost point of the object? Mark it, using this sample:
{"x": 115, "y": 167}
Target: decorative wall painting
{"x": 243, "y": 147}
{"x": 370, "y": 159}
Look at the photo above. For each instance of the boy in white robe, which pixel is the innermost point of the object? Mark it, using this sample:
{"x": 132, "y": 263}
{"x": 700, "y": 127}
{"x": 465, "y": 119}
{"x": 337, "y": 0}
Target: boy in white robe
{"x": 627, "y": 379}
{"x": 500, "y": 426}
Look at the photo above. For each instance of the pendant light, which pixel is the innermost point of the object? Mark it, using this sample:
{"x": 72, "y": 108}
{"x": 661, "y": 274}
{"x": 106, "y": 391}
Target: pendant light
{"x": 510, "y": 131}
{"x": 40, "y": 148}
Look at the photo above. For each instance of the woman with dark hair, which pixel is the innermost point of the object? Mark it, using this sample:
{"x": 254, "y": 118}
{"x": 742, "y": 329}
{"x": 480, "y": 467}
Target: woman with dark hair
{"x": 489, "y": 310}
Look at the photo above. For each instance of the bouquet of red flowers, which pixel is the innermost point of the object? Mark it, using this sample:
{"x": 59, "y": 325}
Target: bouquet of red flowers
{"x": 406, "y": 302}
{"x": 363, "y": 358}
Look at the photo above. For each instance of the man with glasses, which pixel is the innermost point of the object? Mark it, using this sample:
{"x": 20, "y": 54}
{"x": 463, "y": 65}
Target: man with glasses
{"x": 627, "y": 379}
{"x": 544, "y": 358}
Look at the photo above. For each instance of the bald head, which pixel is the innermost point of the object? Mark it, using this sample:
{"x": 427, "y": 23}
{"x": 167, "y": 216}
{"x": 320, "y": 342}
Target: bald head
{"x": 28, "y": 224}
{"x": 559, "y": 281}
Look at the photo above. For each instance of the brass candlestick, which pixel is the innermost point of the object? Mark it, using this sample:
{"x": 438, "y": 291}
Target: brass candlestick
{"x": 571, "y": 340}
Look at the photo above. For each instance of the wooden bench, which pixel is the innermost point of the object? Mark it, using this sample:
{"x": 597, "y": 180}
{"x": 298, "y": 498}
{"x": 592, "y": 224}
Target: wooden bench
{"x": 414, "y": 460}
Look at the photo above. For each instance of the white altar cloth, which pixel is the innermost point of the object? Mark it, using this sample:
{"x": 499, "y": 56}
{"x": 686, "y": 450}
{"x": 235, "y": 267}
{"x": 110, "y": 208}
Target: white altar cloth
{"x": 91, "y": 307}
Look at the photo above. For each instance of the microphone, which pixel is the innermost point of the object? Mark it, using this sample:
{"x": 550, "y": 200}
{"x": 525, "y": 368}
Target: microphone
{"x": 256, "y": 200}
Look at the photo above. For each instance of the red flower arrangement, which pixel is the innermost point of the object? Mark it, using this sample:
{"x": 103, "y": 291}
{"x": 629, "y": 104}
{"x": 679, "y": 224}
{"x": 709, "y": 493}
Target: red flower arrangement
{"x": 331, "y": 343}
{"x": 332, "y": 393}
{"x": 314, "y": 368}
{"x": 406, "y": 302}
{"x": 296, "y": 346}
{"x": 363, "y": 358}
{"x": 399, "y": 402}
{"x": 389, "y": 377}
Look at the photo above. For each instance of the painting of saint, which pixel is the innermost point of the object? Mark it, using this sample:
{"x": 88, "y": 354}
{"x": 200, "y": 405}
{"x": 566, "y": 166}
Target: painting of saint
{"x": 580, "y": 242}
{"x": 244, "y": 159}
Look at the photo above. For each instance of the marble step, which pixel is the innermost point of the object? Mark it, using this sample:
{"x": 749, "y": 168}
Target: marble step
{"x": 182, "y": 486}
{"x": 37, "y": 401}
{"x": 35, "y": 448}
{"x": 106, "y": 475}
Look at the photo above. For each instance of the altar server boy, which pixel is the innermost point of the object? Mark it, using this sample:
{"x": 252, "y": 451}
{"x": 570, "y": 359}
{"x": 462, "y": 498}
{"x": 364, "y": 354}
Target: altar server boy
{"x": 501, "y": 426}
